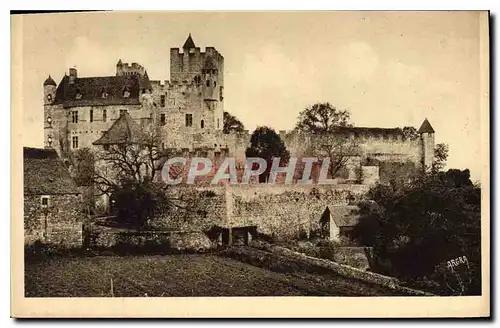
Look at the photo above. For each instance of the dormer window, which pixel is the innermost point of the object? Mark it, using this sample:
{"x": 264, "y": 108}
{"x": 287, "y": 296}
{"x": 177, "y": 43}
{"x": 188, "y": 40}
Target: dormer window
{"x": 78, "y": 95}
{"x": 104, "y": 94}
{"x": 126, "y": 93}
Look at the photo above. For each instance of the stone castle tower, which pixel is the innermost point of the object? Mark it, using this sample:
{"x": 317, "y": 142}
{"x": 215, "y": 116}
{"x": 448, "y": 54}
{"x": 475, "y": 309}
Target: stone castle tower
{"x": 199, "y": 76}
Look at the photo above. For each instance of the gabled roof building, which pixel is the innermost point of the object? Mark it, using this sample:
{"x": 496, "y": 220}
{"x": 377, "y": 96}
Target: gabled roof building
{"x": 52, "y": 200}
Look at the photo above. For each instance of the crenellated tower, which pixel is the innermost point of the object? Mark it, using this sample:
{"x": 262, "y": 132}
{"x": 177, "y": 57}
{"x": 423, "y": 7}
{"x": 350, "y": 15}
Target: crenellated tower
{"x": 199, "y": 76}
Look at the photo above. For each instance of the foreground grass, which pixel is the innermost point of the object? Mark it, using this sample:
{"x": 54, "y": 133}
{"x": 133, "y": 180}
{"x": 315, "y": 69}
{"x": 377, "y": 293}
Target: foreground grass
{"x": 177, "y": 275}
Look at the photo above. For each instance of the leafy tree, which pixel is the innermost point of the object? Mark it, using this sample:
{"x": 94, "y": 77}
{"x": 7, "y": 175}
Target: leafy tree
{"x": 330, "y": 126}
{"x": 322, "y": 118}
{"x": 417, "y": 227}
{"x": 440, "y": 156}
{"x": 137, "y": 203}
{"x": 410, "y": 132}
{"x": 232, "y": 124}
{"x": 267, "y": 144}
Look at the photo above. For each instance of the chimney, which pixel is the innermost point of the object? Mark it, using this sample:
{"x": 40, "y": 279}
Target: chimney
{"x": 72, "y": 75}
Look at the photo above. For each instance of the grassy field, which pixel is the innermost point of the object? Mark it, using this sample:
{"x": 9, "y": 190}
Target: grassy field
{"x": 177, "y": 275}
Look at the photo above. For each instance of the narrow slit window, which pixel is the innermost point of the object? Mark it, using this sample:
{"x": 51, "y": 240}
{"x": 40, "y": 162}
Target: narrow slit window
{"x": 189, "y": 120}
{"x": 74, "y": 142}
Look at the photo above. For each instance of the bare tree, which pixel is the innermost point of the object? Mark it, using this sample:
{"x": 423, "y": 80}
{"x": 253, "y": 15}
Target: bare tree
{"x": 136, "y": 161}
{"x": 331, "y": 134}
{"x": 339, "y": 147}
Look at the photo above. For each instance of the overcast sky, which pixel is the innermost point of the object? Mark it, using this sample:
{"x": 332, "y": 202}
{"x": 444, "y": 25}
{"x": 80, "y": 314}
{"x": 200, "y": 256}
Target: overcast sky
{"x": 389, "y": 69}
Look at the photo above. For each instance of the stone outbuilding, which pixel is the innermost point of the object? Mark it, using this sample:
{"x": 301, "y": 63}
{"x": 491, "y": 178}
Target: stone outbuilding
{"x": 338, "y": 220}
{"x": 52, "y": 200}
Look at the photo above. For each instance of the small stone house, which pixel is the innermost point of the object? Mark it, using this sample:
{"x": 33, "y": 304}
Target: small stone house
{"x": 338, "y": 220}
{"x": 52, "y": 201}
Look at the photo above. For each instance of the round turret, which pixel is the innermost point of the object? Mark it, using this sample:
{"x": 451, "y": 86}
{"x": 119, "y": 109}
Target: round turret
{"x": 49, "y": 81}
{"x": 49, "y": 91}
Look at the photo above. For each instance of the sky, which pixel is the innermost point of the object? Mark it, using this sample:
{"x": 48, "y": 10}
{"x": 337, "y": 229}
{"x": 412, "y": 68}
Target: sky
{"x": 389, "y": 69}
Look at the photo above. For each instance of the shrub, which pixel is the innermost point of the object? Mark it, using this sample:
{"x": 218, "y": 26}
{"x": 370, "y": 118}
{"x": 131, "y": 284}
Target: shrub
{"x": 137, "y": 203}
{"x": 191, "y": 242}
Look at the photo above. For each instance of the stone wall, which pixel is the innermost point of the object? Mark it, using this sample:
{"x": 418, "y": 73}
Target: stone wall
{"x": 281, "y": 210}
{"x": 62, "y": 225}
{"x": 333, "y": 267}
{"x": 285, "y": 211}
{"x": 196, "y": 209}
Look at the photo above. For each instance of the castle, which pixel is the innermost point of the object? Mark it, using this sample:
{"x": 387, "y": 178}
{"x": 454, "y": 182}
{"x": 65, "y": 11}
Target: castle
{"x": 188, "y": 111}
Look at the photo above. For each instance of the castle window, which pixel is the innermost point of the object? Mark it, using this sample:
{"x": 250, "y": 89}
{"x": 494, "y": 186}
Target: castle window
{"x": 197, "y": 79}
{"x": 221, "y": 93}
{"x": 202, "y": 124}
{"x": 44, "y": 201}
{"x": 91, "y": 116}
{"x": 104, "y": 94}
{"x": 74, "y": 142}
{"x": 208, "y": 83}
{"x": 215, "y": 84}
{"x": 218, "y": 123}
{"x": 78, "y": 94}
{"x": 162, "y": 100}
{"x": 126, "y": 93}
{"x": 123, "y": 111}
{"x": 49, "y": 97}
{"x": 143, "y": 90}
{"x": 104, "y": 115}
{"x": 74, "y": 116}
{"x": 189, "y": 119}
{"x": 162, "y": 119}
{"x": 49, "y": 120}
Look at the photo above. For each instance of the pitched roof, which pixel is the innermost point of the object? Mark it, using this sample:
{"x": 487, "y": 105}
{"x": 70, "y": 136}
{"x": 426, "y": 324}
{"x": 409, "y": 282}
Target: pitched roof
{"x": 426, "y": 127}
{"x": 91, "y": 90}
{"x": 344, "y": 215}
{"x": 46, "y": 174}
{"x": 123, "y": 131}
{"x": 49, "y": 81}
{"x": 189, "y": 43}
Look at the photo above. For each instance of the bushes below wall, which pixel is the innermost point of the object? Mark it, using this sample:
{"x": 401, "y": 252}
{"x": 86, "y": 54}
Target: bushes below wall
{"x": 130, "y": 242}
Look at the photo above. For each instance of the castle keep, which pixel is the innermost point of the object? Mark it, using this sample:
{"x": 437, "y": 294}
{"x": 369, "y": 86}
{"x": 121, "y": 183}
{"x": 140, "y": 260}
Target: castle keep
{"x": 188, "y": 112}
